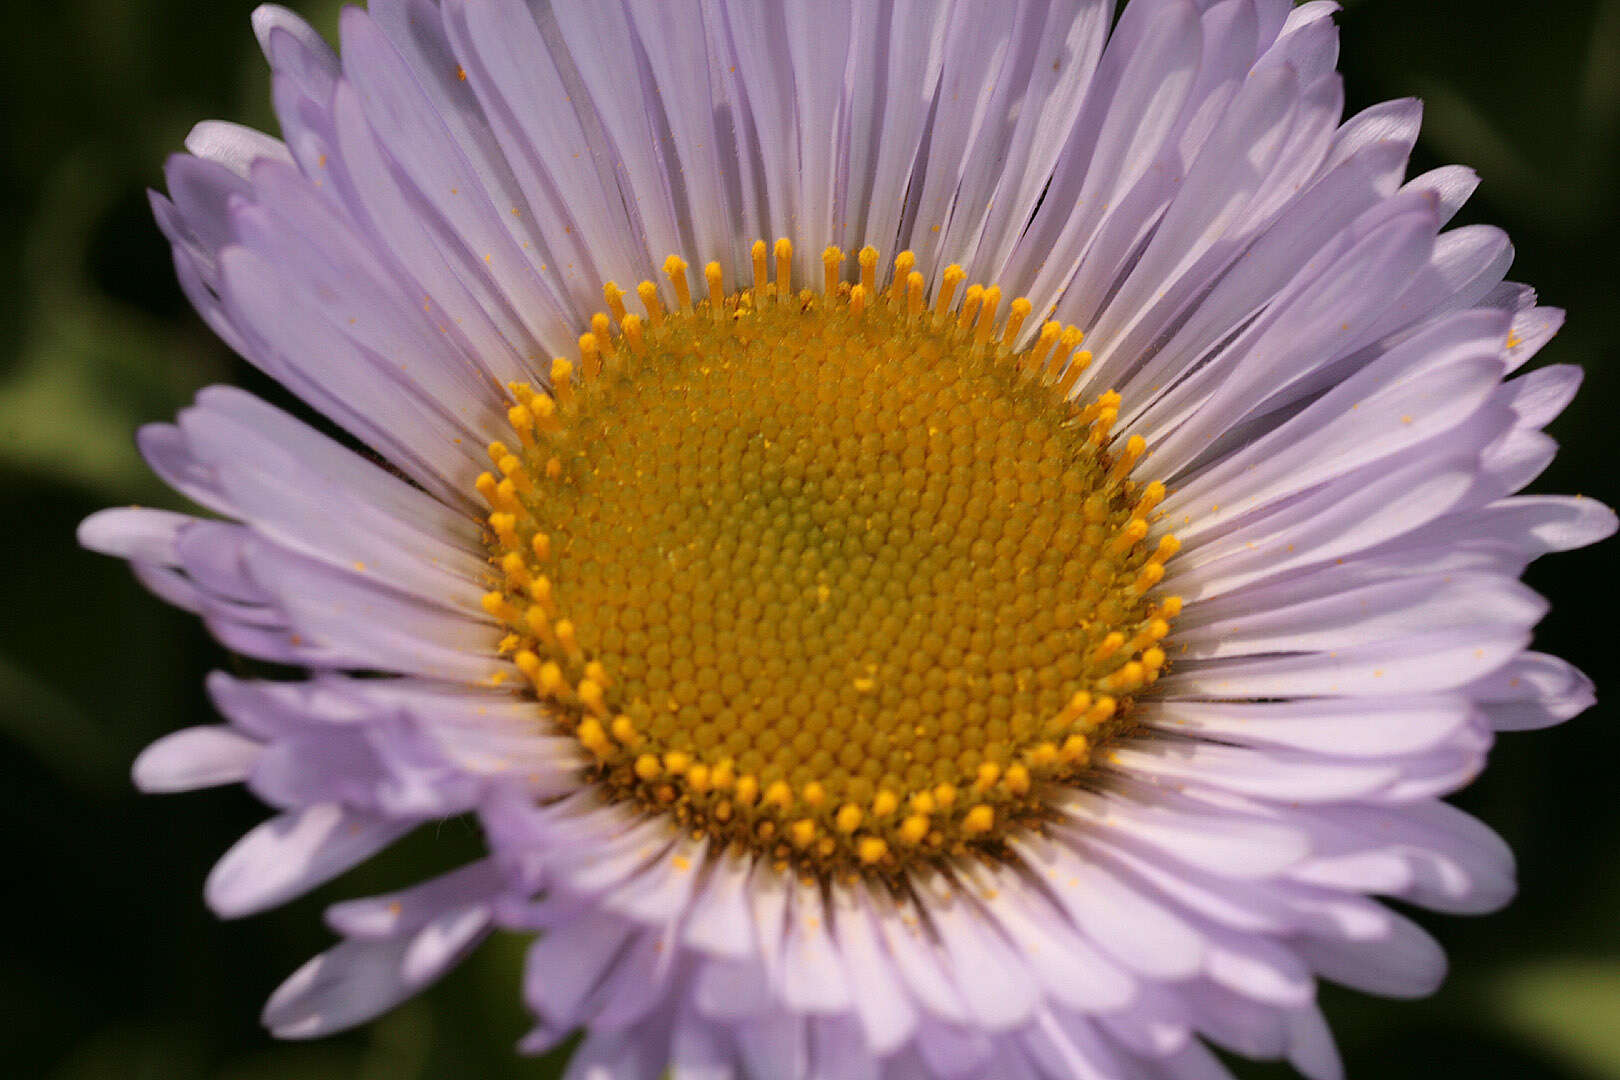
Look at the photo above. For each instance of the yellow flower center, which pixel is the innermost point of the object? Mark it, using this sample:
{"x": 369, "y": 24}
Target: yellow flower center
{"x": 841, "y": 577}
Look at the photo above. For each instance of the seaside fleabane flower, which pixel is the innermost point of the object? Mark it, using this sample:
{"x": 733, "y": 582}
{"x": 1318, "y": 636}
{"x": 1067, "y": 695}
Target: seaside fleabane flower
{"x": 935, "y": 540}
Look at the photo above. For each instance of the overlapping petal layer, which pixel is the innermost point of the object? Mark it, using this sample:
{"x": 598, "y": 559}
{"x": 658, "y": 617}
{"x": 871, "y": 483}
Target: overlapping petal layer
{"x": 1318, "y": 366}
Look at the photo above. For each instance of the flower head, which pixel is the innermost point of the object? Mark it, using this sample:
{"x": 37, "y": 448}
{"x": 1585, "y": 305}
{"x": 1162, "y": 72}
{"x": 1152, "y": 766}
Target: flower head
{"x": 934, "y": 542}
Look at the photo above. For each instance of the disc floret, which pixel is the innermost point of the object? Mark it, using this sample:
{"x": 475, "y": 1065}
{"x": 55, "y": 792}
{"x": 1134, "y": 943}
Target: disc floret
{"x": 841, "y": 576}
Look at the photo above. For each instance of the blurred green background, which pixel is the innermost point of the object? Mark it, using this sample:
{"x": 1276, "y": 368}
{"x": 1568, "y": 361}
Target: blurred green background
{"x": 113, "y": 967}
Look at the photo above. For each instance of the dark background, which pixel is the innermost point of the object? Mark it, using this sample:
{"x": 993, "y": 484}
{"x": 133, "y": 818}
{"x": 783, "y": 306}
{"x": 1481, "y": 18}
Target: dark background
{"x": 114, "y": 969}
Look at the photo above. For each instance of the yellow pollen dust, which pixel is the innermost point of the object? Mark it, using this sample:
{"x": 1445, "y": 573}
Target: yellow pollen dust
{"x": 838, "y": 576}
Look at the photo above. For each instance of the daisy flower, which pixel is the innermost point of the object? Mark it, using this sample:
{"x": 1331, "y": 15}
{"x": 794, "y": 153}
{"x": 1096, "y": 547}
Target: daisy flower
{"x": 935, "y": 540}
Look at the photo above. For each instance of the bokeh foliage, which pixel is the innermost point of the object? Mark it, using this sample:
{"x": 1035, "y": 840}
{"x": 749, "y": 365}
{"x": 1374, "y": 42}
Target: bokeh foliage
{"x": 114, "y": 968}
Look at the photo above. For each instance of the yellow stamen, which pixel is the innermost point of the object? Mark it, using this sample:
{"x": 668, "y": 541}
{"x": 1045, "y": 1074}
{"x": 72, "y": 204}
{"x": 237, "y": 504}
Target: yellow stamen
{"x": 1016, "y": 314}
{"x": 615, "y": 301}
{"x": 761, "y": 254}
{"x": 954, "y": 276}
{"x": 711, "y": 278}
{"x": 675, "y": 271}
{"x": 868, "y": 259}
{"x": 784, "y": 267}
{"x": 831, "y": 259}
{"x": 648, "y": 294}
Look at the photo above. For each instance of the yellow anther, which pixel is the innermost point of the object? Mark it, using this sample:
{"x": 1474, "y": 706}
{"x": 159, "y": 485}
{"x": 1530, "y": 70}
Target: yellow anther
{"x": 490, "y": 490}
{"x": 913, "y": 829}
{"x": 1128, "y": 678}
{"x": 945, "y": 795}
{"x": 595, "y": 672}
{"x": 1016, "y": 779}
{"x": 498, "y": 450}
{"x": 849, "y": 818}
{"x": 615, "y": 300}
{"x": 562, "y": 381}
{"x": 544, "y": 408}
{"x": 1100, "y": 427}
{"x": 1041, "y": 755}
{"x": 648, "y": 294}
{"x": 522, "y": 421}
{"x": 970, "y": 306}
{"x": 590, "y": 357}
{"x": 857, "y": 300}
{"x": 1155, "y": 631}
{"x": 506, "y": 493}
{"x": 1071, "y": 374}
{"x": 915, "y": 284}
{"x": 697, "y": 778}
{"x": 884, "y": 803}
{"x": 779, "y": 795}
{"x": 1035, "y": 361}
{"x": 508, "y": 643}
{"x": 630, "y": 326}
{"x": 989, "y": 773}
{"x": 802, "y": 833}
{"x": 1107, "y": 647}
{"x": 986, "y": 323}
{"x": 1134, "y": 532}
{"x": 1170, "y": 607}
{"x": 761, "y": 256}
{"x": 565, "y": 637}
{"x": 904, "y": 264}
{"x": 541, "y": 546}
{"x": 954, "y": 275}
{"x": 1077, "y": 707}
{"x": 675, "y": 271}
{"x": 516, "y": 570}
{"x": 504, "y": 527}
{"x": 923, "y": 803}
{"x": 1153, "y": 659}
{"x": 602, "y": 331}
{"x": 624, "y": 731}
{"x": 647, "y": 767}
{"x": 1063, "y": 370}
{"x": 1168, "y": 546}
{"x": 541, "y": 593}
{"x": 496, "y": 604}
{"x": 552, "y": 681}
{"x": 871, "y": 850}
{"x": 723, "y": 775}
{"x": 1075, "y": 748}
{"x": 831, "y": 259}
{"x": 1017, "y": 312}
{"x": 590, "y": 695}
{"x": 677, "y": 762}
{"x": 1102, "y": 711}
{"x": 784, "y": 267}
{"x": 528, "y": 663}
{"x": 712, "y": 279}
{"x": 979, "y": 820}
{"x": 1129, "y": 455}
{"x": 868, "y": 259}
{"x": 593, "y": 738}
{"x": 1151, "y": 496}
{"x": 747, "y": 790}
{"x": 512, "y": 467}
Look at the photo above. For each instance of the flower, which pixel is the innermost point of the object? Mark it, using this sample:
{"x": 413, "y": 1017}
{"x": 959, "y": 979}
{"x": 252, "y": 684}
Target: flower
{"x": 855, "y": 671}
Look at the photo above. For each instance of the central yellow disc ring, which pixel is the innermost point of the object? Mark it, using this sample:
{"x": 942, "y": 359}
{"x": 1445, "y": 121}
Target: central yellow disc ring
{"x": 840, "y": 577}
